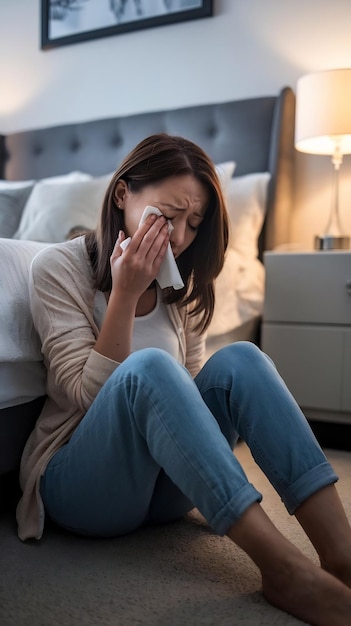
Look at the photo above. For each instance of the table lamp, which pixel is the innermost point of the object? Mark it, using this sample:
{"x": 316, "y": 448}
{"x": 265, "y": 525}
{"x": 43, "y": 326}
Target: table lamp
{"x": 323, "y": 126}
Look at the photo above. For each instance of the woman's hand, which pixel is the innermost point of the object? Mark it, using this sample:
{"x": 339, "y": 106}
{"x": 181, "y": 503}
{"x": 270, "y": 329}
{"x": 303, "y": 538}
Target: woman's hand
{"x": 134, "y": 268}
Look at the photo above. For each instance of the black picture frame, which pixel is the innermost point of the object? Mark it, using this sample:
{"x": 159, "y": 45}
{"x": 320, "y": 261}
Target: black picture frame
{"x": 55, "y": 12}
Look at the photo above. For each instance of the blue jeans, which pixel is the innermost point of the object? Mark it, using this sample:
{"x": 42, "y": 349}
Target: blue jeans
{"x": 155, "y": 443}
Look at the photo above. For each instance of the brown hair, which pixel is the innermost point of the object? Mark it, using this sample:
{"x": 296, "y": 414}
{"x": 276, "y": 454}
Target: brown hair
{"x": 154, "y": 159}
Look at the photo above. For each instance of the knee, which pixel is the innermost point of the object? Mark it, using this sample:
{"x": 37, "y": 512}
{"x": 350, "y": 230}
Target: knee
{"x": 241, "y": 351}
{"x": 248, "y": 352}
{"x": 150, "y": 362}
{"x": 150, "y": 358}
{"x": 242, "y": 357}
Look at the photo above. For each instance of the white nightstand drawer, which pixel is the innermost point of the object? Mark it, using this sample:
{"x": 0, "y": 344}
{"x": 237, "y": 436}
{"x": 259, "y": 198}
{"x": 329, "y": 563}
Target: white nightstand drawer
{"x": 311, "y": 360}
{"x": 308, "y": 287}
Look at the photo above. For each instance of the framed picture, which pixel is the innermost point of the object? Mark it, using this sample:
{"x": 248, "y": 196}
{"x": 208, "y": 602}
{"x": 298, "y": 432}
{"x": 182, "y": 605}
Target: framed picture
{"x": 65, "y": 22}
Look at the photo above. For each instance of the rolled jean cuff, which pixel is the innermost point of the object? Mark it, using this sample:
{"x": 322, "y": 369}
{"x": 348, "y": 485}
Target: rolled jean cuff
{"x": 311, "y": 482}
{"x": 234, "y": 509}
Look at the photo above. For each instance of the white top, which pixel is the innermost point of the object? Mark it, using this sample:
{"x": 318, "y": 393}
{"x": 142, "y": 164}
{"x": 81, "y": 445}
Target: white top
{"x": 154, "y": 330}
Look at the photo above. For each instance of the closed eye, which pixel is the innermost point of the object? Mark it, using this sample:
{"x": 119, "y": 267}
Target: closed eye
{"x": 193, "y": 228}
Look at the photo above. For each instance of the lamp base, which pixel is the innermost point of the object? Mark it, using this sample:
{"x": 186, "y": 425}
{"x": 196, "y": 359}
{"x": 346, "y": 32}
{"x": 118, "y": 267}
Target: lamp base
{"x": 331, "y": 242}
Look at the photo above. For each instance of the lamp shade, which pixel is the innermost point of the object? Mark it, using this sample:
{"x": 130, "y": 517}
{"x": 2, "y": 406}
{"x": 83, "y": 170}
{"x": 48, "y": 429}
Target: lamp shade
{"x": 323, "y": 112}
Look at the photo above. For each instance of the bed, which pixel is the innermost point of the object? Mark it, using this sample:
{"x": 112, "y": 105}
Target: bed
{"x": 254, "y": 136}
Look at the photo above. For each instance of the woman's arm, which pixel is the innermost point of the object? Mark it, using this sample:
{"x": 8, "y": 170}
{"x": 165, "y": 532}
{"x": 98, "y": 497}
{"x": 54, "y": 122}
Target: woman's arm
{"x": 62, "y": 304}
{"x": 133, "y": 270}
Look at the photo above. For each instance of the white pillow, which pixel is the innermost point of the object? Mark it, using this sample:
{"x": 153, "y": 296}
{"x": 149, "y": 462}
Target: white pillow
{"x": 14, "y": 195}
{"x": 239, "y": 293}
{"x": 225, "y": 172}
{"x": 53, "y": 209}
{"x": 246, "y": 203}
{"x": 239, "y": 289}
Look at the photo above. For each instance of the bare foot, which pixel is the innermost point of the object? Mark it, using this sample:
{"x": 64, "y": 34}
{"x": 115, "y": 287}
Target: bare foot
{"x": 319, "y": 596}
{"x": 308, "y": 592}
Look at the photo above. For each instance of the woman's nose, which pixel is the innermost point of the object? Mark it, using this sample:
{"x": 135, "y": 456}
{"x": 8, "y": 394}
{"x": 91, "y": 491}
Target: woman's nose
{"x": 177, "y": 236}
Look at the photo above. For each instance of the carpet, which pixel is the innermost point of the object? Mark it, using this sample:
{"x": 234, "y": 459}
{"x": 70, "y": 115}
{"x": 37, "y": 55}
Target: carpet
{"x": 179, "y": 574}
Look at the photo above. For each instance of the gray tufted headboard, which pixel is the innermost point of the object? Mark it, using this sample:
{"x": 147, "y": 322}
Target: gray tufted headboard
{"x": 256, "y": 133}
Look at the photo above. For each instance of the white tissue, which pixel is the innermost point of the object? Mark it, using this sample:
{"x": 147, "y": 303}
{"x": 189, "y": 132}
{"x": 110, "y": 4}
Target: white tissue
{"x": 168, "y": 275}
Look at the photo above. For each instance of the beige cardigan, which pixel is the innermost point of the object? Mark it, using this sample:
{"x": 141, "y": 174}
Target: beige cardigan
{"x": 62, "y": 303}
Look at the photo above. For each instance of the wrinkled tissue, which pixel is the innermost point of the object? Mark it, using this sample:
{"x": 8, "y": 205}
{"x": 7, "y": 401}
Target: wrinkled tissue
{"x": 168, "y": 275}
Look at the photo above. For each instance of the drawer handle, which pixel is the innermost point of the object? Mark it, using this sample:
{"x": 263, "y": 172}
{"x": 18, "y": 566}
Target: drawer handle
{"x": 348, "y": 287}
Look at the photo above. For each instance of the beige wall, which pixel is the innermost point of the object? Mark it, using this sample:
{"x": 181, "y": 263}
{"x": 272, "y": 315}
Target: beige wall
{"x": 249, "y": 48}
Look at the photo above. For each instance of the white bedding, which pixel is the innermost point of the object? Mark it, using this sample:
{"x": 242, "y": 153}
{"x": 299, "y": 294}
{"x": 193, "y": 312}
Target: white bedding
{"x": 22, "y": 373}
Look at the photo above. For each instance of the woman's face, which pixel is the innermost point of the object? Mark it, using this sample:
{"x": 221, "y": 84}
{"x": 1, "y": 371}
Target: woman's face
{"x": 181, "y": 199}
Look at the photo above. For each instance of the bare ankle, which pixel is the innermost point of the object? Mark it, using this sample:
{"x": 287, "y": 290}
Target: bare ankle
{"x": 338, "y": 561}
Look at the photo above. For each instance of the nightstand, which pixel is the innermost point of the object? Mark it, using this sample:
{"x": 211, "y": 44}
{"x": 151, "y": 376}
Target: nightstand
{"x": 306, "y": 329}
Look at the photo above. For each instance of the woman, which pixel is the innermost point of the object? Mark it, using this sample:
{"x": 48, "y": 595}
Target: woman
{"x": 133, "y": 431}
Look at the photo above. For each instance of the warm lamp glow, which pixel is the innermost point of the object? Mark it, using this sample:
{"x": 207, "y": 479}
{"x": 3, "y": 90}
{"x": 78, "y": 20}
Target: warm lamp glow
{"x": 323, "y": 126}
{"x": 323, "y": 112}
